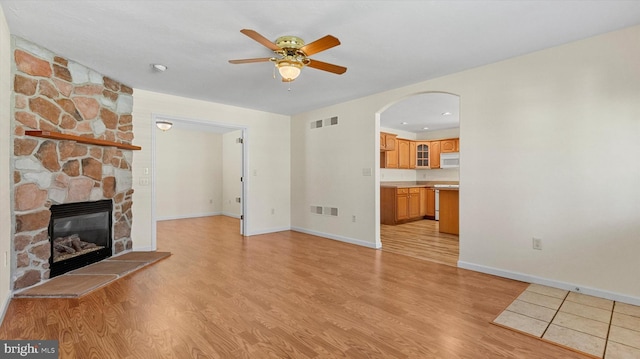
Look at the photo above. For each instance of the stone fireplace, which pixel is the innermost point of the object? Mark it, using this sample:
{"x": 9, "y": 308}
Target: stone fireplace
{"x": 89, "y": 163}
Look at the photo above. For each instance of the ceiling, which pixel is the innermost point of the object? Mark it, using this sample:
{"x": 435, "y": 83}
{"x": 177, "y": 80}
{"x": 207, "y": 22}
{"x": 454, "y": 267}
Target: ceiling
{"x": 385, "y": 44}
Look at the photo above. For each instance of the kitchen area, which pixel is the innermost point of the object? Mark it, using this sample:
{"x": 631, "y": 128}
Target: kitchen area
{"x": 419, "y": 178}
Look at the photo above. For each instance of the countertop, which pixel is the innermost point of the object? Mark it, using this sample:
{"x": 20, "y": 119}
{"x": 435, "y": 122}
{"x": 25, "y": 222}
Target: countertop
{"x": 407, "y": 184}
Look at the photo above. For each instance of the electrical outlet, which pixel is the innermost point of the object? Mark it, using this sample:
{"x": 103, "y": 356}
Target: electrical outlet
{"x": 537, "y": 243}
{"x": 144, "y": 181}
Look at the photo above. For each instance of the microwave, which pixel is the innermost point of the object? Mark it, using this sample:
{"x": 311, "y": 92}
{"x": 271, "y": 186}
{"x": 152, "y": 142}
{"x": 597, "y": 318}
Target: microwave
{"x": 450, "y": 160}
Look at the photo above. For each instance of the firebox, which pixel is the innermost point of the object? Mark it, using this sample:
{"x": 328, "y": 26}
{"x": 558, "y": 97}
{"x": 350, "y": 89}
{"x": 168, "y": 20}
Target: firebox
{"x": 80, "y": 234}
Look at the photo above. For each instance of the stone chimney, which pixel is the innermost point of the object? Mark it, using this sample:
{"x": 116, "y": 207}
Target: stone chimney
{"x": 52, "y": 93}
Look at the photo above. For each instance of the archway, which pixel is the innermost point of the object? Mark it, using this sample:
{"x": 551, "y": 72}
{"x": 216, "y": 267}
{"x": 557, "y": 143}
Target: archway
{"x": 416, "y": 126}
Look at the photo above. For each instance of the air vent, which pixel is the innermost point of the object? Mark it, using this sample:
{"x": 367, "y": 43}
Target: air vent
{"x": 331, "y": 211}
{"x": 331, "y": 121}
{"x": 316, "y": 124}
{"x": 316, "y": 209}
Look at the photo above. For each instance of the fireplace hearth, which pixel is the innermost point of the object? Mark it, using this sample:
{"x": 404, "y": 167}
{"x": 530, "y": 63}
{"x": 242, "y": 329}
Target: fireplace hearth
{"x": 80, "y": 234}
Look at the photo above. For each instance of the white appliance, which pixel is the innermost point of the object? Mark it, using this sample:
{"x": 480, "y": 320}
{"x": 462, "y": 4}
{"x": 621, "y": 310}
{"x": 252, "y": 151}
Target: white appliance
{"x": 436, "y": 186}
{"x": 450, "y": 160}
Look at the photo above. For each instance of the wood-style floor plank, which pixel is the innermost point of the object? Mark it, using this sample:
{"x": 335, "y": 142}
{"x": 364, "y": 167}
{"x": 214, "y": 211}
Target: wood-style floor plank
{"x": 422, "y": 240}
{"x": 280, "y": 295}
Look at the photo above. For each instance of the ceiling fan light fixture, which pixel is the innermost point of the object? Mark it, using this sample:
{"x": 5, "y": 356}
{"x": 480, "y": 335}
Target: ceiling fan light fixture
{"x": 289, "y": 70}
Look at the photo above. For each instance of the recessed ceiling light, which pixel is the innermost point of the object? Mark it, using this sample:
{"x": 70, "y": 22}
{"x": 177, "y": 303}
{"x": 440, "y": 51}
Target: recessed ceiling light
{"x": 404, "y": 123}
{"x": 159, "y": 67}
{"x": 447, "y": 113}
{"x": 425, "y": 128}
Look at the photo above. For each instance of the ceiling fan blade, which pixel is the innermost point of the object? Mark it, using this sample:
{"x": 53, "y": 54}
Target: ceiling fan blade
{"x": 321, "y": 44}
{"x": 261, "y": 39}
{"x": 248, "y": 61}
{"x": 324, "y": 66}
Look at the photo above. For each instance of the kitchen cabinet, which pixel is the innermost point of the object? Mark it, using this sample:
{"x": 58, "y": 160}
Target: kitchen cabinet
{"x": 403, "y": 153}
{"x": 399, "y": 204}
{"x": 427, "y": 202}
{"x": 449, "y": 211}
{"x": 387, "y": 141}
{"x": 389, "y": 157}
{"x": 450, "y": 145}
{"x": 412, "y": 154}
{"x": 430, "y": 202}
{"x": 434, "y": 154}
{"x": 422, "y": 154}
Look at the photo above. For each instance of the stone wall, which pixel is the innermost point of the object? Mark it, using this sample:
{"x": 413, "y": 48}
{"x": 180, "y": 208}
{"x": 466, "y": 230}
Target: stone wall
{"x": 54, "y": 94}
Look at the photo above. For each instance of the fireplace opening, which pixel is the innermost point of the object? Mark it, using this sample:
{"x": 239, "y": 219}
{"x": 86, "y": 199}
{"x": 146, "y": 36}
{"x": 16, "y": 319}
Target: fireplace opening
{"x": 80, "y": 234}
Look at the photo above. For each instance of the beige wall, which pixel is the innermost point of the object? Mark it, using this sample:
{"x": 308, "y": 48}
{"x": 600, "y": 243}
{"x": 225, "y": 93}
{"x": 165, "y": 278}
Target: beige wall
{"x": 268, "y": 147}
{"x": 5, "y": 168}
{"x": 188, "y": 173}
{"x": 549, "y": 146}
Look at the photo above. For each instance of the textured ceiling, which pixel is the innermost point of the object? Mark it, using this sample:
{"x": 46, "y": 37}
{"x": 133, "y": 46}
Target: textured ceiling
{"x": 385, "y": 44}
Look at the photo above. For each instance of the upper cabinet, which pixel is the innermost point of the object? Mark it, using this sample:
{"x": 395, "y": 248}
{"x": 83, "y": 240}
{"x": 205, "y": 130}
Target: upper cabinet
{"x": 450, "y": 145}
{"x": 407, "y": 154}
{"x": 434, "y": 155}
{"x": 387, "y": 141}
{"x": 404, "y": 153}
{"x": 422, "y": 154}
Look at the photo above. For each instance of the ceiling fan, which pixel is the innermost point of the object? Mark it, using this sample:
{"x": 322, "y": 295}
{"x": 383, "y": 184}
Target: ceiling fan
{"x": 292, "y": 54}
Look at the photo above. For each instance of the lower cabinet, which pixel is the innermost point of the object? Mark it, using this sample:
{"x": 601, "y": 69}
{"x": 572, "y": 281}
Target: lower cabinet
{"x": 428, "y": 202}
{"x": 402, "y": 204}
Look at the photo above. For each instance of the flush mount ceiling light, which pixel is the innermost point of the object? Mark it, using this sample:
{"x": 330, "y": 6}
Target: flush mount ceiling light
{"x": 447, "y": 113}
{"x": 291, "y": 54}
{"x": 159, "y": 67}
{"x": 164, "y": 125}
{"x": 404, "y": 123}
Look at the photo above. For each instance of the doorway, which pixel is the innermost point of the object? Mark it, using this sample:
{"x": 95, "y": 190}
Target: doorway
{"x": 415, "y": 123}
{"x": 198, "y": 170}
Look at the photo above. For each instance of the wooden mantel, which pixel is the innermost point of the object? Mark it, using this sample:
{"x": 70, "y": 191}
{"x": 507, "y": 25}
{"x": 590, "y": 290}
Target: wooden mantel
{"x": 80, "y": 139}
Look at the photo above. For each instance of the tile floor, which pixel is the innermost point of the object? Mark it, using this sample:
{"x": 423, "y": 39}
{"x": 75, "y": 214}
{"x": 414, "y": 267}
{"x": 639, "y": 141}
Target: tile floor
{"x": 599, "y": 327}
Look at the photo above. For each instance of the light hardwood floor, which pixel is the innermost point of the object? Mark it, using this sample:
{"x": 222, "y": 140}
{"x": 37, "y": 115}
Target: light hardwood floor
{"x": 280, "y": 295}
{"x": 422, "y": 240}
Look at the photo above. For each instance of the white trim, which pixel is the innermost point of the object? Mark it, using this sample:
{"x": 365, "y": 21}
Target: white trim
{"x": 267, "y": 231}
{"x": 523, "y": 277}
{"x": 229, "y": 214}
{"x": 7, "y": 300}
{"x": 198, "y": 215}
{"x": 338, "y": 238}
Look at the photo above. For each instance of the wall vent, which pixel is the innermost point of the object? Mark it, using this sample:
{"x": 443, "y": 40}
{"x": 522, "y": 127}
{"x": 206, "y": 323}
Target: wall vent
{"x": 316, "y": 124}
{"x": 316, "y": 209}
{"x": 331, "y": 211}
{"x": 331, "y": 121}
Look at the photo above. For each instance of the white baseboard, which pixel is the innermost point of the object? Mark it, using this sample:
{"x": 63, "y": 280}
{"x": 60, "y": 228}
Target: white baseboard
{"x": 229, "y": 214}
{"x": 337, "y": 238}
{"x": 197, "y": 215}
{"x": 142, "y": 249}
{"x": 7, "y": 300}
{"x": 266, "y": 231}
{"x": 527, "y": 278}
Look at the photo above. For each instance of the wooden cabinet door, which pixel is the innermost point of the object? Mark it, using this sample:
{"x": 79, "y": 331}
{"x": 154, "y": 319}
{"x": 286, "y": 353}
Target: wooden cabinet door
{"x": 412, "y": 154}
{"x": 448, "y": 145}
{"x": 434, "y": 154}
{"x": 423, "y": 201}
{"x": 383, "y": 142}
{"x": 402, "y": 204}
{"x": 430, "y": 202}
{"x": 414, "y": 202}
{"x": 403, "y": 153}
{"x": 422, "y": 154}
{"x": 389, "y": 158}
